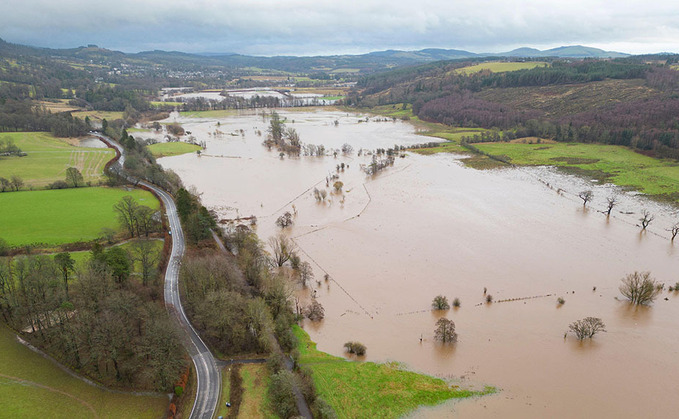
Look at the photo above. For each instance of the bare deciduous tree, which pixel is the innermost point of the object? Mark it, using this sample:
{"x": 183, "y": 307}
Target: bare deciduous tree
{"x": 640, "y": 288}
{"x": 612, "y": 201}
{"x": 646, "y": 218}
{"x": 306, "y": 273}
{"x": 674, "y": 230}
{"x": 74, "y": 177}
{"x": 283, "y": 248}
{"x": 445, "y": 330}
{"x": 586, "y": 196}
{"x": 587, "y": 327}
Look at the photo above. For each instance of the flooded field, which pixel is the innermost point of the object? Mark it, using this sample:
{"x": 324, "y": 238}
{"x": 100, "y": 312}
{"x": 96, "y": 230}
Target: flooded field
{"x": 429, "y": 226}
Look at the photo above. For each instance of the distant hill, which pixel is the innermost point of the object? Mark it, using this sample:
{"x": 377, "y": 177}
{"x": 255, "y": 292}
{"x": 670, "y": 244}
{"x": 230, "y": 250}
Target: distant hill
{"x": 354, "y": 64}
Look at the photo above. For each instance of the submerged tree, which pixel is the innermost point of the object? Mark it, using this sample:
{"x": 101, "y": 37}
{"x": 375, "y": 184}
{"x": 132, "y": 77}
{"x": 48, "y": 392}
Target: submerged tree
{"x": 674, "y": 230}
{"x": 646, "y": 218}
{"x": 639, "y": 288}
{"x": 611, "y": 201}
{"x": 587, "y": 327}
{"x": 314, "y": 311}
{"x": 586, "y": 196}
{"x": 445, "y": 331}
{"x": 440, "y": 302}
{"x": 283, "y": 249}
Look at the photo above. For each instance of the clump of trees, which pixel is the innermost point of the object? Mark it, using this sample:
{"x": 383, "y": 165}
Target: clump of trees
{"x": 639, "y": 288}
{"x": 196, "y": 219}
{"x": 445, "y": 331}
{"x": 587, "y": 327}
{"x": 137, "y": 219}
{"x": 356, "y": 348}
{"x": 74, "y": 179}
{"x": 14, "y": 183}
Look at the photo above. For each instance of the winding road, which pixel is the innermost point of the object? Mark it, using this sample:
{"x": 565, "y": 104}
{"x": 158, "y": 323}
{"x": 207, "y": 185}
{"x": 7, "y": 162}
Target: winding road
{"x": 208, "y": 376}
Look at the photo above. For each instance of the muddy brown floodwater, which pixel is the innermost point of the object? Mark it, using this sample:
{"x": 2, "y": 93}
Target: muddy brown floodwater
{"x": 430, "y": 226}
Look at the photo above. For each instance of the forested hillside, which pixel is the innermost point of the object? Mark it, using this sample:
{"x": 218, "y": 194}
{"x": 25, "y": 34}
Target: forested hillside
{"x": 627, "y": 101}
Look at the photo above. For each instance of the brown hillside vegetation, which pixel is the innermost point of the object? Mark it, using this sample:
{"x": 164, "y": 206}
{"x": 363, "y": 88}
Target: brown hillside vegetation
{"x": 562, "y": 100}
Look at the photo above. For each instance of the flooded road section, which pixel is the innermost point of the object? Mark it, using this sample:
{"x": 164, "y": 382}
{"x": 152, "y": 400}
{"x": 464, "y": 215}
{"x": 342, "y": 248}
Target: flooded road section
{"x": 430, "y": 226}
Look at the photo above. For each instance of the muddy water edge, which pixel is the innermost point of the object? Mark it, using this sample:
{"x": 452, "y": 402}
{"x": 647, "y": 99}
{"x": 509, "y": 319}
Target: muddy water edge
{"x": 428, "y": 226}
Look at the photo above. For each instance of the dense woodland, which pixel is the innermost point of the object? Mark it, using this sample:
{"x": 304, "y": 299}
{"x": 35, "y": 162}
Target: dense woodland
{"x": 649, "y": 122}
{"x": 97, "y": 319}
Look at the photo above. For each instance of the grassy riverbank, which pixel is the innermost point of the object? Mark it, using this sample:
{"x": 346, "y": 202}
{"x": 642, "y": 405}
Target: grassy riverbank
{"x": 370, "y": 390}
{"x": 172, "y": 149}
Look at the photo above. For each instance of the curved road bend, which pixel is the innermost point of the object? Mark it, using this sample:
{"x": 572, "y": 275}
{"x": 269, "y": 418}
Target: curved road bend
{"x": 208, "y": 376}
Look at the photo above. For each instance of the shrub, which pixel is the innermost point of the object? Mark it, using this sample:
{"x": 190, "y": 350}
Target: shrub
{"x": 456, "y": 302}
{"x": 639, "y": 288}
{"x": 560, "y": 301}
{"x": 489, "y": 298}
{"x": 587, "y": 327}
{"x": 440, "y": 302}
{"x": 314, "y": 311}
{"x": 4, "y": 247}
{"x": 355, "y": 348}
{"x": 59, "y": 184}
{"x": 322, "y": 410}
{"x": 281, "y": 394}
{"x": 178, "y": 391}
{"x": 284, "y": 220}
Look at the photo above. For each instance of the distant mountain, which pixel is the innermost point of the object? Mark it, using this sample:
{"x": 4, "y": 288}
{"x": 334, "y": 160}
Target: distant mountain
{"x": 346, "y": 64}
{"x": 571, "y": 51}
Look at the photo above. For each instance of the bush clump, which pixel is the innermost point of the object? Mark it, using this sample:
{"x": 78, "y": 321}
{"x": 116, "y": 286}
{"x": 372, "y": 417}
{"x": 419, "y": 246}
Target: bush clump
{"x": 355, "y": 348}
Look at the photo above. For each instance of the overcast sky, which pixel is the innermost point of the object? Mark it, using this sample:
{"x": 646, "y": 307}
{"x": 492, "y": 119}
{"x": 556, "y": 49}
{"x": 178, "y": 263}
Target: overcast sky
{"x": 323, "y": 27}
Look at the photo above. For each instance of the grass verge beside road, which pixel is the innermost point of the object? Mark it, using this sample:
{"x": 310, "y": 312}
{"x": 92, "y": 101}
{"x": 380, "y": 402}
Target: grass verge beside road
{"x": 370, "y": 390}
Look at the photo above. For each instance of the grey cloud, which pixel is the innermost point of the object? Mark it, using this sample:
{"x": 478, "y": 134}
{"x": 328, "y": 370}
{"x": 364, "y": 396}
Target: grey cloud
{"x": 271, "y": 27}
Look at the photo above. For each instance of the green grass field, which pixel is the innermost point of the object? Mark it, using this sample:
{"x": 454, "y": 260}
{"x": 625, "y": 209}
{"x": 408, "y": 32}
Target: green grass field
{"x": 172, "y": 149}
{"x": 99, "y": 115}
{"x": 81, "y": 257}
{"x": 49, "y": 157}
{"x": 33, "y": 387}
{"x": 370, "y": 390}
{"x": 501, "y": 67}
{"x": 615, "y": 164}
{"x": 54, "y": 217}
{"x": 255, "y": 403}
{"x": 210, "y": 114}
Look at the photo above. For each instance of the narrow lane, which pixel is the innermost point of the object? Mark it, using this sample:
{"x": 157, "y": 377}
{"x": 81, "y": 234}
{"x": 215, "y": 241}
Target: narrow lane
{"x": 208, "y": 376}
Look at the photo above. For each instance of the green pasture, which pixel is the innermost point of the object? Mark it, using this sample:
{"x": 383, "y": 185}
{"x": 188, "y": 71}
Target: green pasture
{"x": 48, "y": 158}
{"x": 370, "y": 390}
{"x": 501, "y": 67}
{"x": 615, "y": 164}
{"x": 172, "y": 149}
{"x": 53, "y": 217}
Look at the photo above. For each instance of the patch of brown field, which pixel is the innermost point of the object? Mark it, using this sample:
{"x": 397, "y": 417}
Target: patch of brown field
{"x": 561, "y": 100}
{"x": 55, "y": 107}
{"x": 74, "y": 141}
{"x": 265, "y": 78}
